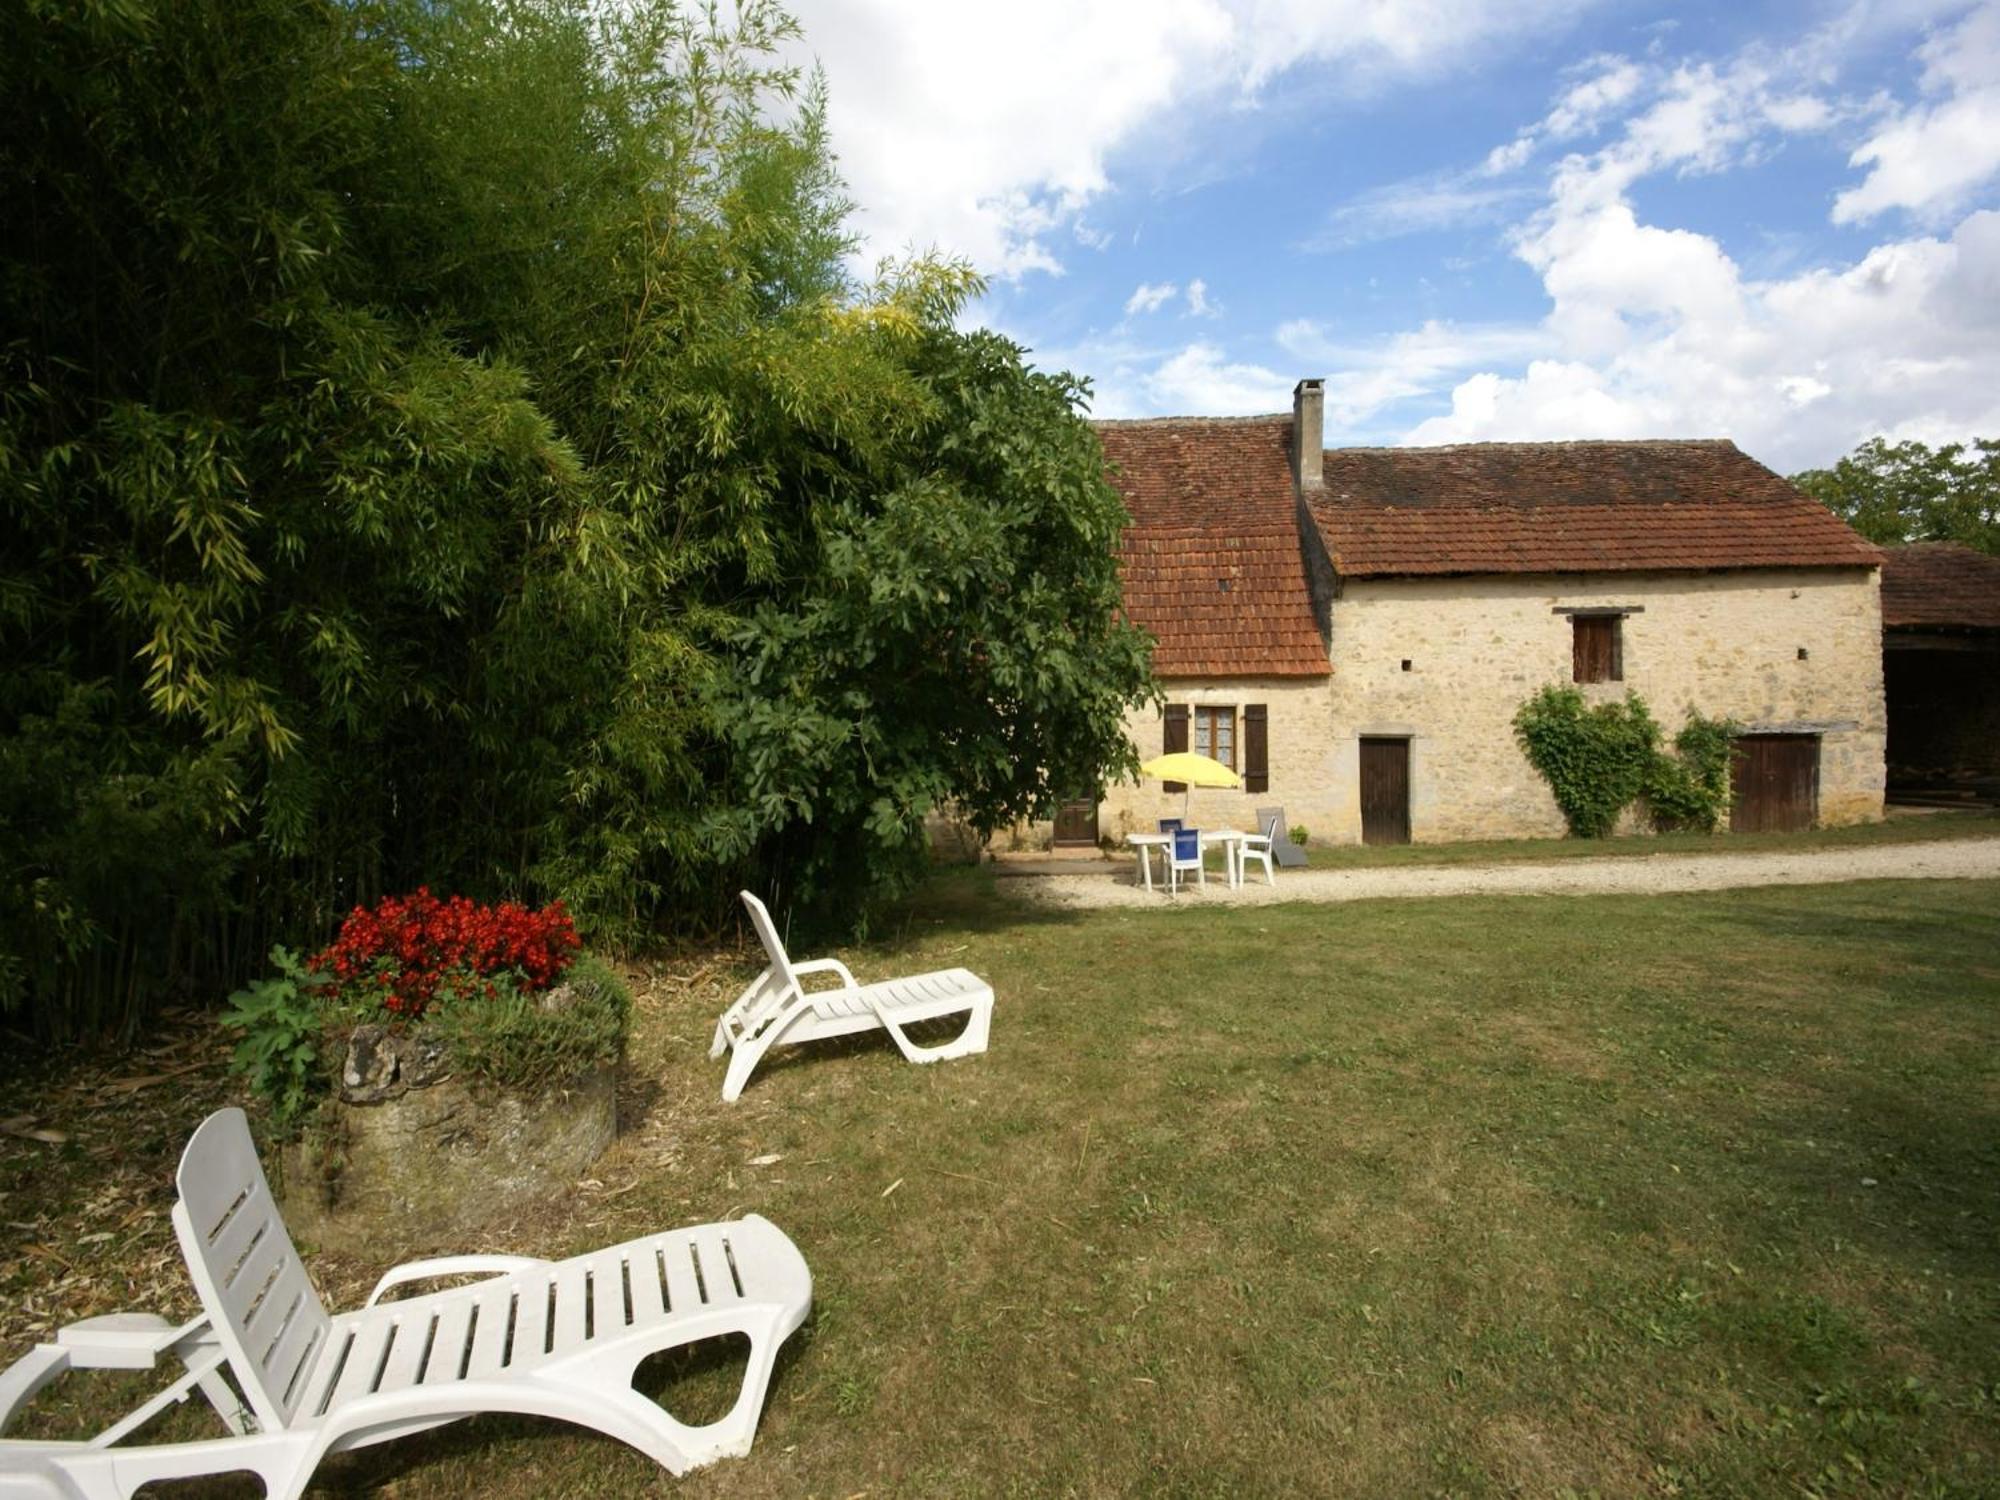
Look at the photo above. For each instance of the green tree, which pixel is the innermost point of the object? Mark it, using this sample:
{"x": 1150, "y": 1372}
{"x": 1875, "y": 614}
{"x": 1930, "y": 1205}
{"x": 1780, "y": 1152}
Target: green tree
{"x": 955, "y": 636}
{"x": 1910, "y": 492}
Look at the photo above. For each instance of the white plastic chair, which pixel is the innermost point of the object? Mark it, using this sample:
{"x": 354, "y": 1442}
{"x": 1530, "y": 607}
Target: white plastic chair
{"x": 543, "y": 1338}
{"x": 1185, "y": 854}
{"x": 776, "y": 1009}
{"x": 1257, "y": 846}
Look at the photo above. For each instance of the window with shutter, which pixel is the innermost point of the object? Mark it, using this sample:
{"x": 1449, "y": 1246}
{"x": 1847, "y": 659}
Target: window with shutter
{"x": 1595, "y": 655}
{"x": 1173, "y": 737}
{"x": 1256, "y": 748}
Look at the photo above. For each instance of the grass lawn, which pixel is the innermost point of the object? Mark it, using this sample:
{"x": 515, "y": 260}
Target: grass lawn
{"x": 1618, "y": 1195}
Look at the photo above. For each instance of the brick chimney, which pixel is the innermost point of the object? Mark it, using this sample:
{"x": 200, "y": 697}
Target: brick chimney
{"x": 1308, "y": 434}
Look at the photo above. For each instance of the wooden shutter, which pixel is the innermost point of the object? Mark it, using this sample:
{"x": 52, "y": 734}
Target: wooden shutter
{"x": 1175, "y": 737}
{"x": 1256, "y": 749}
{"x": 1594, "y": 653}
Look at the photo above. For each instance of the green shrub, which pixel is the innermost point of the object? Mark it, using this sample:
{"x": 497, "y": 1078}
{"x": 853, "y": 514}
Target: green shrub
{"x": 1300, "y": 834}
{"x": 1689, "y": 790}
{"x": 1598, "y": 760}
{"x": 528, "y": 1042}
{"x": 283, "y": 1019}
{"x": 1595, "y": 759}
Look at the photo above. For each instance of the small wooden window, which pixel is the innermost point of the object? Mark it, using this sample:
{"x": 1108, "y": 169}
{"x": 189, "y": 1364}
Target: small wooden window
{"x": 1174, "y": 736}
{"x": 1215, "y": 734}
{"x": 1256, "y": 748}
{"x": 1595, "y": 648}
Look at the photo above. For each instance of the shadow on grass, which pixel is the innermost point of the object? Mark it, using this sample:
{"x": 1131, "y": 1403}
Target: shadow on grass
{"x": 959, "y": 901}
{"x": 783, "y": 1060}
{"x": 1910, "y": 1176}
{"x": 696, "y": 1384}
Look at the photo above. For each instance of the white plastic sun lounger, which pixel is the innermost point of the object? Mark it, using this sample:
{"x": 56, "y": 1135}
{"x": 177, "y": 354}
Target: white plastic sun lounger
{"x": 545, "y": 1338}
{"x": 776, "y": 1009}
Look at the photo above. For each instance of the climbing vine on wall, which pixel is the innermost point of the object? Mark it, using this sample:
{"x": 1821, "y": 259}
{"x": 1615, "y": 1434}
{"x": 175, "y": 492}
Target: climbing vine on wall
{"x": 1689, "y": 790}
{"x": 1599, "y": 759}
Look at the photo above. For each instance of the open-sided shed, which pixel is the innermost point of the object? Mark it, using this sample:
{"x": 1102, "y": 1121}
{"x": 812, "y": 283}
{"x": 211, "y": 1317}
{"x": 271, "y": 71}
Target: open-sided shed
{"x": 1941, "y": 673}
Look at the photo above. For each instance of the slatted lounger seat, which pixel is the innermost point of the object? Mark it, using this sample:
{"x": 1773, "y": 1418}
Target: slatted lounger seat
{"x": 777, "y": 1010}
{"x": 544, "y": 1338}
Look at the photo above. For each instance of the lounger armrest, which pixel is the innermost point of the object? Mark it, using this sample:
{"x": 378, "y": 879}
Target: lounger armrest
{"x": 123, "y": 1341}
{"x": 827, "y": 966}
{"x": 453, "y": 1265}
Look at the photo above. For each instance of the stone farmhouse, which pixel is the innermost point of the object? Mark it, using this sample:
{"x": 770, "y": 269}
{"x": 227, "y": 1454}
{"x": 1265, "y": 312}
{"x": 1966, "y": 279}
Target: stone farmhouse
{"x": 1353, "y": 629}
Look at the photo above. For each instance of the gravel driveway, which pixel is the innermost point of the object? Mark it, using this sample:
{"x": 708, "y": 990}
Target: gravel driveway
{"x": 1965, "y": 859}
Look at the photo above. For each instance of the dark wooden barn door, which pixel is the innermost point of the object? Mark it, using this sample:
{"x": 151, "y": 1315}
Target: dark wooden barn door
{"x": 1385, "y": 791}
{"x": 1076, "y": 821}
{"x": 1775, "y": 779}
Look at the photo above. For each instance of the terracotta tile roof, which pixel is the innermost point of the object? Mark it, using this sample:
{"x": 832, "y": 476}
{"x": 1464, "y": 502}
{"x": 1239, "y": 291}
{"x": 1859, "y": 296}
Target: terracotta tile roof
{"x": 1212, "y": 563}
{"x": 1571, "y": 508}
{"x": 1940, "y": 584}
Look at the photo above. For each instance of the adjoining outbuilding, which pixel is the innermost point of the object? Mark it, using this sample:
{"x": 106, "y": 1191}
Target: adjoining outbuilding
{"x": 1354, "y": 629}
{"x": 1941, "y": 674}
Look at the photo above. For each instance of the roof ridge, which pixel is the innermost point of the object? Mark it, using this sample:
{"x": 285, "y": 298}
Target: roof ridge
{"x": 1662, "y": 442}
{"x": 1191, "y": 421}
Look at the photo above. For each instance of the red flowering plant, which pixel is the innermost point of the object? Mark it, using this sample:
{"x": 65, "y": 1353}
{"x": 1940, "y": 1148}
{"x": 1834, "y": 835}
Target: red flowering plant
{"x": 408, "y": 951}
{"x": 478, "y": 976}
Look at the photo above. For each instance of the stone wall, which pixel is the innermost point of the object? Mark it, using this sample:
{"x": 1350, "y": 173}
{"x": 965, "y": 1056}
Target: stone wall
{"x": 1301, "y": 762}
{"x": 1778, "y": 650}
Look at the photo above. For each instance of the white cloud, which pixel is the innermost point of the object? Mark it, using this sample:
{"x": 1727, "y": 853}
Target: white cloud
{"x": 1696, "y": 118}
{"x": 983, "y": 135}
{"x": 1201, "y": 380}
{"x": 1586, "y": 103}
{"x": 1133, "y": 379}
{"x": 1799, "y": 113}
{"x": 1797, "y": 370}
{"x": 1803, "y": 390}
{"x": 1654, "y": 330}
{"x": 1928, "y": 159}
{"x": 1091, "y": 237}
{"x": 1416, "y": 205}
{"x": 1364, "y": 379}
{"x": 1609, "y": 81}
{"x": 1150, "y": 296}
{"x": 1198, "y": 304}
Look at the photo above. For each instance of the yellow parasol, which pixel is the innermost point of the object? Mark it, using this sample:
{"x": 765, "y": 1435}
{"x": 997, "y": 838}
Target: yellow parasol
{"x": 1195, "y": 770}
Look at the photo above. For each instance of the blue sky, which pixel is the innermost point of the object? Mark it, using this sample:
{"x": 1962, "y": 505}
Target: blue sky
{"x": 1521, "y": 219}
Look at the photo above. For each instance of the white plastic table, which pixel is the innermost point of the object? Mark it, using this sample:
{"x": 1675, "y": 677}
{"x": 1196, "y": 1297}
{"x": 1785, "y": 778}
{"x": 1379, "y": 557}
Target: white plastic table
{"x": 1145, "y": 844}
{"x": 1231, "y": 840}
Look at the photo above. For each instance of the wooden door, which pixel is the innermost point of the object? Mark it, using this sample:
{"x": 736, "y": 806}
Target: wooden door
{"x": 1775, "y": 782}
{"x": 1076, "y": 821}
{"x": 1385, "y": 791}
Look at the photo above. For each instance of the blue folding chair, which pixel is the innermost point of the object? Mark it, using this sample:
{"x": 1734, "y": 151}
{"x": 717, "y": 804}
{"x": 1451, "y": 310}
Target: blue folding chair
{"x": 1170, "y": 825}
{"x": 1185, "y": 855}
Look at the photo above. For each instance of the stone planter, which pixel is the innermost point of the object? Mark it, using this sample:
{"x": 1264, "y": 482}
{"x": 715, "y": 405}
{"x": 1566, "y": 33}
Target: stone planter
{"x": 407, "y": 1151}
